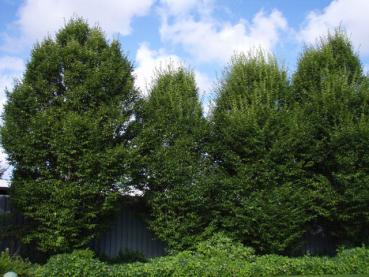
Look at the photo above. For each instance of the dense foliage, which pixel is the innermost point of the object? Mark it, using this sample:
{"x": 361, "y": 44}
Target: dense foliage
{"x": 218, "y": 256}
{"x": 287, "y": 160}
{"x": 277, "y": 159}
{"x": 168, "y": 152}
{"x": 265, "y": 200}
{"x": 333, "y": 98}
{"x": 65, "y": 132}
{"x": 15, "y": 264}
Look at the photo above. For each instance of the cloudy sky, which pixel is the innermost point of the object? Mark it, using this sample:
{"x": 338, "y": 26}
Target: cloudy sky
{"x": 201, "y": 34}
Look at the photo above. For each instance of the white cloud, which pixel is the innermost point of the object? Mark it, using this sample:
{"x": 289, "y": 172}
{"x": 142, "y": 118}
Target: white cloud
{"x": 184, "y": 7}
{"x": 204, "y": 83}
{"x": 37, "y": 18}
{"x": 4, "y": 183}
{"x": 6, "y": 82}
{"x": 150, "y": 61}
{"x": 10, "y": 68}
{"x": 208, "y": 39}
{"x": 352, "y": 15}
{"x": 11, "y": 64}
{"x": 366, "y": 68}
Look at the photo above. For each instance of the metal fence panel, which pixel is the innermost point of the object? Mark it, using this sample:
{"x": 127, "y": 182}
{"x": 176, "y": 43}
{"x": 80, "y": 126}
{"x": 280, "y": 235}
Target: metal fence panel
{"x": 126, "y": 232}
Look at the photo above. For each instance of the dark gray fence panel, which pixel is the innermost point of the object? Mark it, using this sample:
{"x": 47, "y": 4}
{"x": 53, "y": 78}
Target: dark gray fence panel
{"x": 129, "y": 232}
{"x": 4, "y": 219}
{"x": 319, "y": 243}
{"x": 4, "y": 206}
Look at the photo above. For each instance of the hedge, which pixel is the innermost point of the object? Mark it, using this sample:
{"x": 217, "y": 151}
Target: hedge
{"x": 218, "y": 256}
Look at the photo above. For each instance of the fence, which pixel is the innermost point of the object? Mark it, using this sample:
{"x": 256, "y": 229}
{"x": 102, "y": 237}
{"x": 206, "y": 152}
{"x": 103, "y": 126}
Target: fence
{"x": 8, "y": 217}
{"x": 127, "y": 231}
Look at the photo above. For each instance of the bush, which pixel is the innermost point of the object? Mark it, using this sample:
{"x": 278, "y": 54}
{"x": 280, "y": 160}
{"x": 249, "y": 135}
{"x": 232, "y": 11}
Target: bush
{"x": 15, "y": 264}
{"x": 79, "y": 263}
{"x": 353, "y": 261}
{"x": 221, "y": 246}
{"x": 218, "y": 256}
{"x": 126, "y": 256}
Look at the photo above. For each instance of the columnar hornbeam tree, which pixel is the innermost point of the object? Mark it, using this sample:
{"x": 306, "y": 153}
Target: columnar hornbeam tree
{"x": 263, "y": 197}
{"x": 169, "y": 153}
{"x": 333, "y": 95}
{"x": 65, "y": 132}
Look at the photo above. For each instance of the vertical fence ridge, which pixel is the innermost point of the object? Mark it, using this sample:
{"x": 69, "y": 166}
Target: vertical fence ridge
{"x": 127, "y": 231}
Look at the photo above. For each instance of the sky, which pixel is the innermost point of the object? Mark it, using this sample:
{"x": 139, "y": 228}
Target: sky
{"x": 199, "y": 34}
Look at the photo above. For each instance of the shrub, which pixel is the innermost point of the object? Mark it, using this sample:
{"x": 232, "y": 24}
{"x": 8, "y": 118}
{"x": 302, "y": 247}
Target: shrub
{"x": 15, "y": 264}
{"x": 353, "y": 261}
{"x": 126, "y": 256}
{"x": 218, "y": 256}
{"x": 221, "y": 246}
{"x": 79, "y": 263}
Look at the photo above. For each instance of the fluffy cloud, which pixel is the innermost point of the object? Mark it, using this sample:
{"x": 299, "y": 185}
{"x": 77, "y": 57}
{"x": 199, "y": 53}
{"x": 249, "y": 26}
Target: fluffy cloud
{"x": 366, "y": 68}
{"x": 208, "y": 39}
{"x": 184, "y": 7}
{"x": 204, "y": 83}
{"x": 11, "y": 64}
{"x": 352, "y": 15}
{"x": 150, "y": 61}
{"x": 6, "y": 82}
{"x": 10, "y": 68}
{"x": 37, "y": 18}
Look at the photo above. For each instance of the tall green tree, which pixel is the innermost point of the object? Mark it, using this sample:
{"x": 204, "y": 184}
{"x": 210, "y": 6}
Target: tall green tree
{"x": 319, "y": 64}
{"x": 332, "y": 93}
{"x": 263, "y": 197}
{"x": 169, "y": 152}
{"x": 65, "y": 131}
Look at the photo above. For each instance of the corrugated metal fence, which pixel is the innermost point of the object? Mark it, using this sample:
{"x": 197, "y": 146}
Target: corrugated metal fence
{"x": 127, "y": 232}
{"x": 8, "y": 217}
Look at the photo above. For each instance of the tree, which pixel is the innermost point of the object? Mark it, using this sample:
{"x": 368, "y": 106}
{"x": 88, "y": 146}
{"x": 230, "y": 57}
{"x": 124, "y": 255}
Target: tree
{"x": 168, "y": 153}
{"x": 65, "y": 131}
{"x": 331, "y": 57}
{"x": 262, "y": 196}
{"x": 332, "y": 94}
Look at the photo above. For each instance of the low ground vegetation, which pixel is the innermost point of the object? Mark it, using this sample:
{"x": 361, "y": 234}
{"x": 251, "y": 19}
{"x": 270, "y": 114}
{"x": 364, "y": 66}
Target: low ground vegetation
{"x": 218, "y": 256}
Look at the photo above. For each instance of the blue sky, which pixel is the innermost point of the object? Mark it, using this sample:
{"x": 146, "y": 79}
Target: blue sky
{"x": 201, "y": 34}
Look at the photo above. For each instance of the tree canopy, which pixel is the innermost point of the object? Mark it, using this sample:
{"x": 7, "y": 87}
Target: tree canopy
{"x": 333, "y": 98}
{"x": 276, "y": 160}
{"x": 168, "y": 150}
{"x": 65, "y": 131}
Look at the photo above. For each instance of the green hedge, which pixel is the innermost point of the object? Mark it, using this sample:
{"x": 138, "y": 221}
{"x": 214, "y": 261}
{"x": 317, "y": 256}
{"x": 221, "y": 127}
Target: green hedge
{"x": 218, "y": 256}
{"x": 16, "y": 264}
